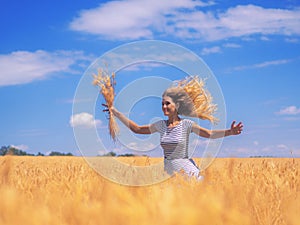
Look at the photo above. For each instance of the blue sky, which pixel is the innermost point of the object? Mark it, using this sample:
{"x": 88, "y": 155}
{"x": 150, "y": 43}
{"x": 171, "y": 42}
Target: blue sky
{"x": 252, "y": 48}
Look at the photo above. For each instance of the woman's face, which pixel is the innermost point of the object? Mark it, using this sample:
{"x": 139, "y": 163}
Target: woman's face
{"x": 168, "y": 106}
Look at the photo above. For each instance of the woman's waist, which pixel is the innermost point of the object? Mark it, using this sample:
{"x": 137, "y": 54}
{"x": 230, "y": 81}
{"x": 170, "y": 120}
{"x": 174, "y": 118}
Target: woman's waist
{"x": 176, "y": 158}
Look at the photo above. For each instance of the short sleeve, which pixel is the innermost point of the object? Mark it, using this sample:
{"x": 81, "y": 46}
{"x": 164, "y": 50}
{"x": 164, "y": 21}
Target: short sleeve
{"x": 157, "y": 126}
{"x": 189, "y": 125}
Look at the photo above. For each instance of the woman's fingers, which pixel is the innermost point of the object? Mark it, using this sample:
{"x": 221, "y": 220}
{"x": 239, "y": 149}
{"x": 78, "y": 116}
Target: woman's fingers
{"x": 237, "y": 129}
{"x": 232, "y": 124}
{"x": 105, "y": 110}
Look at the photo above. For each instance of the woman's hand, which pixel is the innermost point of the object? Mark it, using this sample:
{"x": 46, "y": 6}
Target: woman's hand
{"x": 106, "y": 108}
{"x": 110, "y": 110}
{"x": 129, "y": 123}
{"x": 236, "y": 129}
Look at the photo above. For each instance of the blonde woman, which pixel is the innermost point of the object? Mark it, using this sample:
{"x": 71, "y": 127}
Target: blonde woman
{"x": 186, "y": 98}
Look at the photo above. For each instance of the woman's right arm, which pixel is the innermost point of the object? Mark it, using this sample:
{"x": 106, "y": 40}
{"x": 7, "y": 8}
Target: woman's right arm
{"x": 145, "y": 129}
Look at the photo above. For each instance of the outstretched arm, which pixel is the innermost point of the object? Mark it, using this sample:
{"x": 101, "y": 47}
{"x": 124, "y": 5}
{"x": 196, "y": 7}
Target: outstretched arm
{"x": 234, "y": 130}
{"x": 129, "y": 123}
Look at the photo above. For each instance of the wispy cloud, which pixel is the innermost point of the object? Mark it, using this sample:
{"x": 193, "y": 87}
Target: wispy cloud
{"x": 152, "y": 54}
{"x": 84, "y": 120}
{"x": 218, "y": 49}
{"x": 264, "y": 38}
{"x": 290, "y": 110}
{"x": 141, "y": 146}
{"x": 143, "y": 66}
{"x": 23, "y": 67}
{"x": 263, "y": 64}
{"x": 258, "y": 149}
{"x": 135, "y": 19}
{"x": 272, "y": 63}
{"x": 292, "y": 40}
{"x": 20, "y": 147}
{"x": 231, "y": 45}
{"x": 212, "y": 50}
{"x": 291, "y": 118}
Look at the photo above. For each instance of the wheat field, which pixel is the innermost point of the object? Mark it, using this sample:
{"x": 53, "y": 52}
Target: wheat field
{"x": 66, "y": 191}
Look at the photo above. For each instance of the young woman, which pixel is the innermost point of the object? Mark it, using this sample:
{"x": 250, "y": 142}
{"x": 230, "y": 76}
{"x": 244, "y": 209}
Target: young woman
{"x": 187, "y": 98}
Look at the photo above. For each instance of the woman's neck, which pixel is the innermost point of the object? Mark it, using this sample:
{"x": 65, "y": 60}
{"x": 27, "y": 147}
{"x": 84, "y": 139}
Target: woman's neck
{"x": 173, "y": 120}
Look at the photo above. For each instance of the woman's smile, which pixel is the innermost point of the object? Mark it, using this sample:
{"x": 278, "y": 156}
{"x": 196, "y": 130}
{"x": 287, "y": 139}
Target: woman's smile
{"x": 168, "y": 106}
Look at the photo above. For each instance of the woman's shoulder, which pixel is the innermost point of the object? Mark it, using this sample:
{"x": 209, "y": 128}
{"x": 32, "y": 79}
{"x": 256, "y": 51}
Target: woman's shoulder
{"x": 160, "y": 123}
{"x": 187, "y": 122}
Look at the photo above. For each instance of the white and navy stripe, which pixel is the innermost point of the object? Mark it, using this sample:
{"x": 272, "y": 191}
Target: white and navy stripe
{"x": 174, "y": 141}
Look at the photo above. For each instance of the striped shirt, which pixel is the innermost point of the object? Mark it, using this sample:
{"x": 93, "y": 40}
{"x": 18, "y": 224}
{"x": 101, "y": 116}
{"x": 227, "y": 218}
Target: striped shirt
{"x": 174, "y": 140}
{"x": 175, "y": 143}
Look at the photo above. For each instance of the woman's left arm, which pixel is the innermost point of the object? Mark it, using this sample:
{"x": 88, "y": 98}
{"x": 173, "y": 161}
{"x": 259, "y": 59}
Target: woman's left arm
{"x": 213, "y": 134}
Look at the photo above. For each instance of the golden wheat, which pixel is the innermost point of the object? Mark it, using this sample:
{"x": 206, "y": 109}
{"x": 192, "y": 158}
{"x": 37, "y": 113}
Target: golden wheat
{"x": 107, "y": 84}
{"x": 66, "y": 191}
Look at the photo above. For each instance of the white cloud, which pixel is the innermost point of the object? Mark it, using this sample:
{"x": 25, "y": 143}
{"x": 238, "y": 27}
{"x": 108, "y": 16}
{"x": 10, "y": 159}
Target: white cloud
{"x": 279, "y": 150}
{"x": 238, "y": 151}
{"x": 271, "y": 63}
{"x": 292, "y": 40}
{"x": 20, "y": 147}
{"x": 263, "y": 64}
{"x": 134, "y": 19}
{"x": 84, "y": 119}
{"x": 291, "y": 118}
{"x": 153, "y": 56}
{"x": 264, "y": 38}
{"x": 250, "y": 19}
{"x": 206, "y": 51}
{"x": 143, "y": 66}
{"x": 290, "y": 110}
{"x": 141, "y": 147}
{"x": 282, "y": 146}
{"x": 231, "y": 45}
{"x": 23, "y": 67}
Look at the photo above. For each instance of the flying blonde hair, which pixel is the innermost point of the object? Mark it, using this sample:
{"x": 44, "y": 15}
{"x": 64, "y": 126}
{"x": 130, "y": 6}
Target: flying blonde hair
{"x": 192, "y": 98}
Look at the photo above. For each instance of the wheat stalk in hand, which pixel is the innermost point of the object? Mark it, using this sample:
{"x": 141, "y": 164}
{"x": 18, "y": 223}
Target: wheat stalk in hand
{"x": 107, "y": 84}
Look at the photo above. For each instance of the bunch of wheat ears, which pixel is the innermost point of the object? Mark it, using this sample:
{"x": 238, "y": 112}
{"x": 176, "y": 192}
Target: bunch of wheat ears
{"x": 107, "y": 89}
